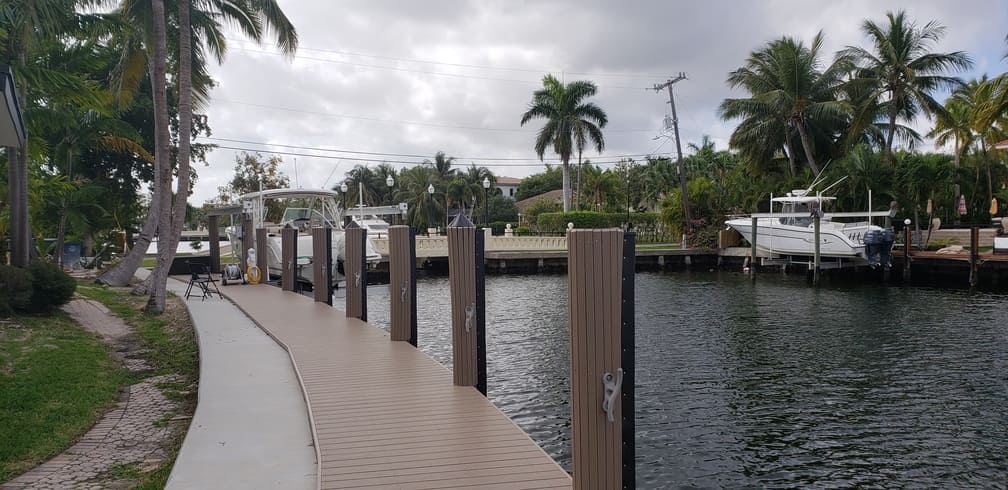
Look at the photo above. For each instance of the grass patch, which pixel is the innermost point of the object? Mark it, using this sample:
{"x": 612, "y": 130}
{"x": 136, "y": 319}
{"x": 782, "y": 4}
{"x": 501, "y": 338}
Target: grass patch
{"x": 56, "y": 380}
{"x": 171, "y": 347}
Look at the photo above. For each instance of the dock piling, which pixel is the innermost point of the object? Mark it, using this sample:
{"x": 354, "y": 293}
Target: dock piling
{"x": 355, "y": 270}
{"x": 288, "y": 257}
{"x": 906, "y": 253}
{"x": 752, "y": 252}
{"x": 601, "y": 304}
{"x": 262, "y": 260}
{"x": 214, "y": 228}
{"x": 402, "y": 284}
{"x": 247, "y": 242}
{"x": 465, "y": 246}
{"x": 974, "y": 259}
{"x": 816, "y": 257}
{"x": 322, "y": 265}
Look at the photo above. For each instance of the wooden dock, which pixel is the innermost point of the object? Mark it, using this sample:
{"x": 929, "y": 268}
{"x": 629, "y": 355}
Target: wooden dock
{"x": 384, "y": 414}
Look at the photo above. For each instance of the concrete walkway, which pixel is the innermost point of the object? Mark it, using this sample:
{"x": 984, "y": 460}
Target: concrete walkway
{"x": 251, "y": 428}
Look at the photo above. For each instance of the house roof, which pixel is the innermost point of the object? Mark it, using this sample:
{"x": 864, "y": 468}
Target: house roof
{"x": 554, "y": 195}
{"x": 1001, "y": 145}
{"x": 508, "y": 181}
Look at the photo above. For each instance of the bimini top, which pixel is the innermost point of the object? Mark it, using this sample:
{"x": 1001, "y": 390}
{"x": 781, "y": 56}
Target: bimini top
{"x": 290, "y": 194}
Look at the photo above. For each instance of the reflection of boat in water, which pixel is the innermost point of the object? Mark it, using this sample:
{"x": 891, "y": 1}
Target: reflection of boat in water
{"x": 306, "y": 209}
{"x": 790, "y": 230}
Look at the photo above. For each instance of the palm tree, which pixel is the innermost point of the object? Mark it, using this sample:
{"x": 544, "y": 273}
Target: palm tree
{"x": 997, "y": 106}
{"x": 954, "y": 126}
{"x": 423, "y": 207}
{"x": 788, "y": 95}
{"x": 902, "y": 72}
{"x": 570, "y": 122}
{"x": 442, "y": 165}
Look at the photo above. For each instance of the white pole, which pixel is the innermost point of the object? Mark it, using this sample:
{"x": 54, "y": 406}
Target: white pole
{"x": 360, "y": 199}
{"x": 869, "y": 207}
{"x": 771, "y": 226}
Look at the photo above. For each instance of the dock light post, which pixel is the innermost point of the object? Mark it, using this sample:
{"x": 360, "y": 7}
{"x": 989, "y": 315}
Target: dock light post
{"x": 343, "y": 190}
{"x": 390, "y": 182}
{"x": 430, "y": 191}
{"x": 486, "y": 202}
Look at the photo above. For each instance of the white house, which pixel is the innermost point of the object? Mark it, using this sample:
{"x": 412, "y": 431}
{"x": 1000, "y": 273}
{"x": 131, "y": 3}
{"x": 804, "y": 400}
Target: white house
{"x": 508, "y": 186}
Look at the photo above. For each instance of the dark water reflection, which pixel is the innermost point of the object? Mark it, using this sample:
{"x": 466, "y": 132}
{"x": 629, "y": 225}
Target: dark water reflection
{"x": 772, "y": 384}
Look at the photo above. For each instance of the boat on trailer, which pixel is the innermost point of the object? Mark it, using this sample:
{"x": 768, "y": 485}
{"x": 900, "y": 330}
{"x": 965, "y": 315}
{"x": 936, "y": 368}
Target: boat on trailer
{"x": 307, "y": 209}
{"x": 789, "y": 230}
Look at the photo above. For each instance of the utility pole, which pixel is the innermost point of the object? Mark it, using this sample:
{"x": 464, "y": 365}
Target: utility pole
{"x": 675, "y": 126}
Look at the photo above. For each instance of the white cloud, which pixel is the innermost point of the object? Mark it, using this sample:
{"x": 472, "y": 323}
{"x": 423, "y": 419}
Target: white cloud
{"x": 616, "y": 44}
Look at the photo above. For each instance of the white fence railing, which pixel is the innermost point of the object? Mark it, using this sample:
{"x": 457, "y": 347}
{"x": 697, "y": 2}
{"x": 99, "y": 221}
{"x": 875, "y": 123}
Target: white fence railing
{"x": 437, "y": 246}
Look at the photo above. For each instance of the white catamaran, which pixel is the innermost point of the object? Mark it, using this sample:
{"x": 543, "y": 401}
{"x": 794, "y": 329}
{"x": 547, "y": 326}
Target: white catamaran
{"x": 315, "y": 208}
{"x": 788, "y": 229}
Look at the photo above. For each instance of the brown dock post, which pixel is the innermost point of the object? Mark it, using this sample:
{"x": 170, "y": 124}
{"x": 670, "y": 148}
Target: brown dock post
{"x": 214, "y": 230}
{"x": 355, "y": 269}
{"x": 906, "y": 251}
{"x": 247, "y": 240}
{"x": 262, "y": 255}
{"x": 288, "y": 256}
{"x": 816, "y": 257}
{"x": 322, "y": 265}
{"x": 600, "y": 265}
{"x": 752, "y": 253}
{"x": 402, "y": 284}
{"x": 974, "y": 259}
{"x": 466, "y": 280}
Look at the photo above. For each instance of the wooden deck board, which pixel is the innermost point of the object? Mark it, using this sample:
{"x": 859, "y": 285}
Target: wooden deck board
{"x": 385, "y": 414}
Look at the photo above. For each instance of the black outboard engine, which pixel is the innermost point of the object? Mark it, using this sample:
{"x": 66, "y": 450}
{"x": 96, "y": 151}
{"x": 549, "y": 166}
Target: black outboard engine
{"x": 878, "y": 247}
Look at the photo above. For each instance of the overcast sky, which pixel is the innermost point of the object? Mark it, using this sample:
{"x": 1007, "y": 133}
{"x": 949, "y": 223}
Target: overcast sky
{"x": 414, "y": 78}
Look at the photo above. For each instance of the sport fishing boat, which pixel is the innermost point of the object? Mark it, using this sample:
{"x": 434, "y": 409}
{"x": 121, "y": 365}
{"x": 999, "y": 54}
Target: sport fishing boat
{"x": 306, "y": 209}
{"x": 789, "y": 229}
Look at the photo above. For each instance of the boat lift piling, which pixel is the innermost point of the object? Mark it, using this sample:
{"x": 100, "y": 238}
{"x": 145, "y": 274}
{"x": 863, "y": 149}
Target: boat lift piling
{"x": 322, "y": 265}
{"x": 752, "y": 253}
{"x": 214, "y": 230}
{"x": 467, "y": 286}
{"x": 906, "y": 252}
{"x": 262, "y": 252}
{"x": 288, "y": 259}
{"x": 816, "y": 257}
{"x": 974, "y": 258}
{"x": 246, "y": 238}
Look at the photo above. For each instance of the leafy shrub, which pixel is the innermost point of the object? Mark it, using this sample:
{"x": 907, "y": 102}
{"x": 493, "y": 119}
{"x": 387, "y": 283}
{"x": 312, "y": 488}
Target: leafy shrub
{"x": 533, "y": 210}
{"x": 51, "y": 287}
{"x": 522, "y": 231}
{"x": 15, "y": 289}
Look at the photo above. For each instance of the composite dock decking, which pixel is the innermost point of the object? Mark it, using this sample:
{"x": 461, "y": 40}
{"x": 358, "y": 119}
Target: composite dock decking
{"x": 384, "y": 414}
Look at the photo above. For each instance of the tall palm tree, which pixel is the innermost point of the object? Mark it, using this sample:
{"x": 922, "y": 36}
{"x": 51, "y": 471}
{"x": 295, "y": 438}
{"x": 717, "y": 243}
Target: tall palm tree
{"x": 789, "y": 97}
{"x": 443, "y": 165}
{"x": 955, "y": 125}
{"x": 902, "y": 71}
{"x": 424, "y": 208}
{"x": 996, "y": 106}
{"x": 570, "y": 122}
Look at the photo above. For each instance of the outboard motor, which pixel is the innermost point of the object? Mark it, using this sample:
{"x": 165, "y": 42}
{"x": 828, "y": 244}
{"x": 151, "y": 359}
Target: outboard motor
{"x": 878, "y": 245}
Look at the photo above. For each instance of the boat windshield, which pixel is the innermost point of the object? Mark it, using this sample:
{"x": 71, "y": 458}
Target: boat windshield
{"x": 797, "y": 207}
{"x": 302, "y": 217}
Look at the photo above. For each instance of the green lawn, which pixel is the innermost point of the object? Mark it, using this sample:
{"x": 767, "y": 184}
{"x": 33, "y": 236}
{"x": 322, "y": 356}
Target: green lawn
{"x": 56, "y": 380}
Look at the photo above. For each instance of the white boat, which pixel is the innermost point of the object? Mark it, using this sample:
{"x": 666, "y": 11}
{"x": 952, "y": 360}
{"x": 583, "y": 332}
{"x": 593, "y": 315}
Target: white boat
{"x": 790, "y": 230}
{"x": 307, "y": 209}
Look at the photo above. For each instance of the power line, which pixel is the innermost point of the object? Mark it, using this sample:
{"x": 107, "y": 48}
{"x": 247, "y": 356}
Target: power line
{"x": 404, "y": 162}
{"x": 425, "y": 72}
{"x": 400, "y": 155}
{"x": 466, "y": 65}
{"x": 399, "y": 121}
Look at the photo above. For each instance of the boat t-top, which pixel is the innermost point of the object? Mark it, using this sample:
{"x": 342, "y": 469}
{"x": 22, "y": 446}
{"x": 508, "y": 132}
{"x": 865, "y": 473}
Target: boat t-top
{"x": 305, "y": 209}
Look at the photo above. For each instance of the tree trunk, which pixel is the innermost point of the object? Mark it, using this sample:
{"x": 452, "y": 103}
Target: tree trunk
{"x": 122, "y": 273}
{"x": 61, "y": 229}
{"x": 156, "y": 302}
{"x": 793, "y": 165}
{"x": 808, "y": 149}
{"x": 887, "y": 156}
{"x": 18, "y": 247}
{"x": 177, "y": 215}
{"x": 566, "y": 184}
{"x": 579, "y": 181}
{"x": 987, "y": 163}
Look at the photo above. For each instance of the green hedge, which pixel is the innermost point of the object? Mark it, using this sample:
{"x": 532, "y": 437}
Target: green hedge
{"x": 40, "y": 288}
{"x": 648, "y": 226}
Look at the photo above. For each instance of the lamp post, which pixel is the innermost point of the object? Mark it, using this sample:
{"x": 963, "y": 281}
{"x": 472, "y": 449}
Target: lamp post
{"x": 486, "y": 202}
{"x": 343, "y": 190}
{"x": 430, "y": 190}
{"x": 390, "y": 182}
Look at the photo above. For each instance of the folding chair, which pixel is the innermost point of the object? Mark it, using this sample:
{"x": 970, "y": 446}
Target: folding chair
{"x": 200, "y": 276}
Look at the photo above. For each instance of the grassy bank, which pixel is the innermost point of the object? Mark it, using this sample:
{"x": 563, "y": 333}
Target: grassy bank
{"x": 171, "y": 349}
{"x": 56, "y": 381}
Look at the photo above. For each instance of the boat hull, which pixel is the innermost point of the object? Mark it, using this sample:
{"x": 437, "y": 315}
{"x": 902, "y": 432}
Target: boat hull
{"x": 835, "y": 239}
{"x": 304, "y": 254}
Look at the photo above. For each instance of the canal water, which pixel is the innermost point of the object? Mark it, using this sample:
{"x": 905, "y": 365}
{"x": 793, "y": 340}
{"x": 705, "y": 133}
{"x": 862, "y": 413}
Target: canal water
{"x": 765, "y": 384}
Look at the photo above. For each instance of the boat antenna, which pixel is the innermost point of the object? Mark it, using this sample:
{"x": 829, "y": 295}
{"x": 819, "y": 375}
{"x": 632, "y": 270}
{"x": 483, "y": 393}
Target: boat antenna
{"x": 335, "y": 168}
{"x": 833, "y": 184}
{"x": 818, "y": 178}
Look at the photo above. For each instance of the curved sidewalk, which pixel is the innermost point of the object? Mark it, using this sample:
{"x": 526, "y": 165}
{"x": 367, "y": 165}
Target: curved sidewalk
{"x": 251, "y": 428}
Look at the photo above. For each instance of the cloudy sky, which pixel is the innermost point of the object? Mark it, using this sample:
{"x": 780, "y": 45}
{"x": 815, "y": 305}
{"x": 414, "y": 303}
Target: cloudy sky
{"x": 401, "y": 80}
